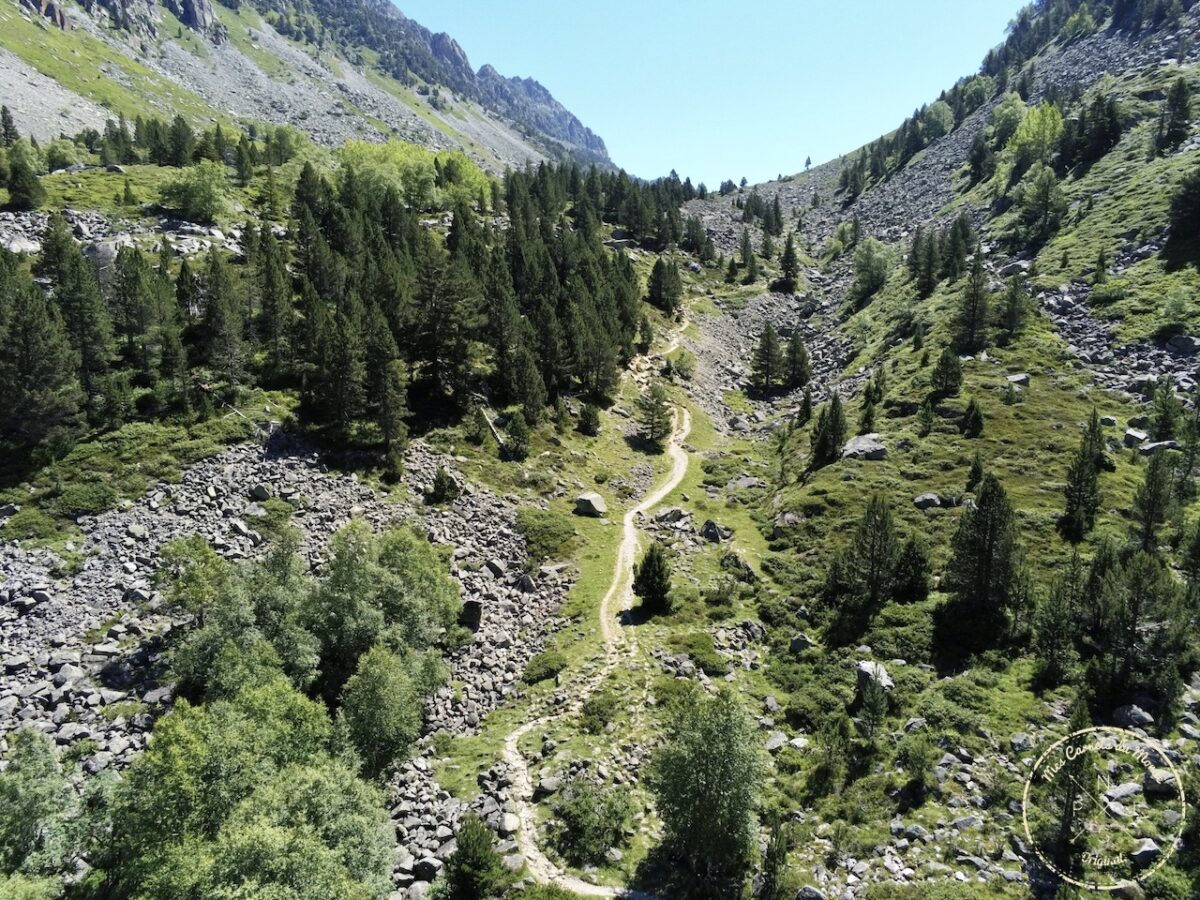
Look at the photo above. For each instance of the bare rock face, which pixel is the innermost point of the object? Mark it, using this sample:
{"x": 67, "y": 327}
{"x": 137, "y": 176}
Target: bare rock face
{"x": 196, "y": 14}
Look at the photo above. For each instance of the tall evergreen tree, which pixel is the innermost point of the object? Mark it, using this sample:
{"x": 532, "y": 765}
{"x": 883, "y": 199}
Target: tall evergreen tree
{"x": 8, "y": 128}
{"x": 971, "y": 320}
{"x": 789, "y": 264}
{"x": 985, "y": 573}
{"x": 25, "y": 190}
{"x": 655, "y": 413}
{"x": 947, "y": 377}
{"x": 85, "y": 314}
{"x": 1153, "y": 501}
{"x": 1177, "y": 116}
{"x": 40, "y": 397}
{"x": 768, "y": 365}
{"x": 665, "y": 289}
{"x": 1083, "y": 485}
{"x": 224, "y": 323}
{"x": 798, "y": 365}
{"x": 829, "y": 433}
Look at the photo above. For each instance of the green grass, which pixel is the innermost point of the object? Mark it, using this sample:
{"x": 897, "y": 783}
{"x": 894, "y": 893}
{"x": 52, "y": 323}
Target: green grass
{"x": 102, "y": 190}
{"x": 122, "y": 464}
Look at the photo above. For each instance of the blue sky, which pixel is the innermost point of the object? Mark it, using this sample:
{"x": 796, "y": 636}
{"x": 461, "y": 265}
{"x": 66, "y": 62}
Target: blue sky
{"x": 722, "y": 90}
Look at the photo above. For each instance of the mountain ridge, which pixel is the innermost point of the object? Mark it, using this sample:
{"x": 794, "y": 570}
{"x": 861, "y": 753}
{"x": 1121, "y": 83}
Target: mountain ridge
{"x": 364, "y": 40}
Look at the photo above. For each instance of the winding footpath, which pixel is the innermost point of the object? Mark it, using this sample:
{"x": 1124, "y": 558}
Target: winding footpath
{"x": 616, "y": 601}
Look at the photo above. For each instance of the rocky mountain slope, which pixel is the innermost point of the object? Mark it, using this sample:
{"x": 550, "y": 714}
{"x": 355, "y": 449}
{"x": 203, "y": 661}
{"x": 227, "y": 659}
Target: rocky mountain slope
{"x": 894, "y": 765}
{"x": 334, "y": 70}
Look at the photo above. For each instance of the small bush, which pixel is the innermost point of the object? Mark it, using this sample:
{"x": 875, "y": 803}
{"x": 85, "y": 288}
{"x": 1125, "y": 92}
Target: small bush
{"x": 543, "y": 666}
{"x": 444, "y": 488}
{"x": 591, "y": 821}
{"x": 598, "y": 711}
{"x": 29, "y": 525}
{"x": 700, "y": 649}
{"x": 86, "y": 499}
{"x": 548, "y": 534}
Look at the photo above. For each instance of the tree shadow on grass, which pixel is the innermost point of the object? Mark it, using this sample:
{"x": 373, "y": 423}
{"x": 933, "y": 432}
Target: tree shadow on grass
{"x": 663, "y": 875}
{"x": 1180, "y": 254}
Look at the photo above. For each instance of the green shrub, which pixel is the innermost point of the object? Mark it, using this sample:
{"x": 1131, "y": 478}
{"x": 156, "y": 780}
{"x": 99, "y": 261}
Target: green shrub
{"x": 598, "y": 711}
{"x": 444, "y": 488}
{"x": 548, "y": 534}
{"x": 86, "y": 499}
{"x": 25, "y": 887}
{"x": 1168, "y": 883}
{"x": 29, "y": 524}
{"x": 545, "y": 665}
{"x": 669, "y": 691}
{"x": 700, "y": 649}
{"x": 903, "y": 631}
{"x": 198, "y": 193}
{"x": 591, "y": 820}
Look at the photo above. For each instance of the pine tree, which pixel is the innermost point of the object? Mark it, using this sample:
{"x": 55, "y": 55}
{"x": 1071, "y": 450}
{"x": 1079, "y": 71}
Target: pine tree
{"x": 516, "y": 447}
{"x": 474, "y": 869}
{"x": 929, "y": 264}
{"x": 40, "y": 397}
{"x": 972, "y": 420}
{"x": 224, "y": 323}
{"x": 589, "y": 420}
{"x": 244, "y": 162}
{"x": 1166, "y": 410}
{"x": 789, "y": 264}
{"x": 798, "y": 365}
{"x": 181, "y": 143}
{"x": 975, "y": 473}
{"x": 8, "y": 128}
{"x": 1056, "y": 626}
{"x": 25, "y": 190}
{"x": 1177, "y": 117}
{"x": 767, "y": 366}
{"x": 910, "y": 579}
{"x": 947, "y": 377}
{"x": 985, "y": 573}
{"x": 925, "y": 419}
{"x": 530, "y": 390}
{"x": 1015, "y": 308}
{"x": 1083, "y": 488}
{"x": 866, "y": 417}
{"x": 804, "y": 415}
{"x": 971, "y": 319}
{"x": 85, "y": 314}
{"x": 665, "y": 289}
{"x": 829, "y": 433}
{"x": 132, "y": 301}
{"x": 1153, "y": 501}
{"x": 655, "y": 411}
{"x": 652, "y": 580}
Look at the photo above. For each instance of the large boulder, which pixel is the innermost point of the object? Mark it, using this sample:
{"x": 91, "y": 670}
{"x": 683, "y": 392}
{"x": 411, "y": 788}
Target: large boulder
{"x": 590, "y": 504}
{"x": 1134, "y": 437}
{"x": 1132, "y": 716}
{"x": 800, "y": 643}
{"x": 869, "y": 670}
{"x": 715, "y": 533}
{"x": 865, "y": 446}
{"x": 1184, "y": 345}
{"x": 927, "y": 501}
